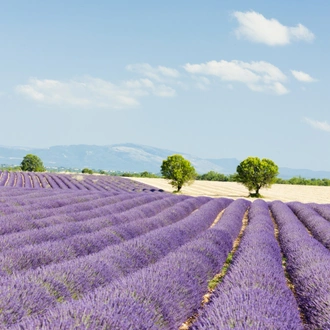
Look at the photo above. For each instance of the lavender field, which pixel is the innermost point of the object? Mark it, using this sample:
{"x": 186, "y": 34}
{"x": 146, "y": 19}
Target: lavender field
{"x": 40, "y": 180}
{"x": 100, "y": 252}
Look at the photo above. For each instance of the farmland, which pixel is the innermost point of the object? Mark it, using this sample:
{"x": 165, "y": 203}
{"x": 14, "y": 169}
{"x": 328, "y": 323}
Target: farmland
{"x": 282, "y": 192}
{"x": 100, "y": 252}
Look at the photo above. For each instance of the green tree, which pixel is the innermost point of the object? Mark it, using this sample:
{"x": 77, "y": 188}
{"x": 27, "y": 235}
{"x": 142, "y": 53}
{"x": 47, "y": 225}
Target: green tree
{"x": 212, "y": 176}
{"x": 255, "y": 174}
{"x": 179, "y": 170}
{"x": 146, "y": 174}
{"x": 87, "y": 171}
{"x": 32, "y": 163}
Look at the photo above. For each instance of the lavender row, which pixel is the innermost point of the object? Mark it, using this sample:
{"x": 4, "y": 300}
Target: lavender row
{"x": 322, "y": 209}
{"x": 38, "y": 290}
{"x": 40, "y": 219}
{"x": 4, "y": 178}
{"x": 253, "y": 293}
{"x": 57, "y": 179}
{"x": 80, "y": 182}
{"x": 16, "y": 197}
{"x": 45, "y": 253}
{"x": 103, "y": 185}
{"x": 119, "y": 183}
{"x": 16, "y": 192}
{"x": 28, "y": 216}
{"x": 74, "y": 184}
{"x": 27, "y": 180}
{"x": 20, "y": 192}
{"x": 62, "y": 182}
{"x": 36, "y": 182}
{"x": 64, "y": 226}
{"x": 161, "y": 296}
{"x": 20, "y": 179}
{"x": 308, "y": 264}
{"x": 92, "y": 184}
{"x": 110, "y": 183}
{"x": 11, "y": 180}
{"x": 44, "y": 183}
{"x": 39, "y": 203}
{"x": 54, "y": 181}
{"x": 102, "y": 211}
{"x": 51, "y": 182}
{"x": 316, "y": 224}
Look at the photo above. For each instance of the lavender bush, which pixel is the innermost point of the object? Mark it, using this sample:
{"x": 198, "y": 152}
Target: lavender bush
{"x": 316, "y": 224}
{"x": 71, "y": 279}
{"x": 253, "y": 293}
{"x": 70, "y": 245}
{"x": 160, "y": 296}
{"x": 308, "y": 264}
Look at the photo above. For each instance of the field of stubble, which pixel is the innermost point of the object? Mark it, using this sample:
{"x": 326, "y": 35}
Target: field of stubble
{"x": 282, "y": 192}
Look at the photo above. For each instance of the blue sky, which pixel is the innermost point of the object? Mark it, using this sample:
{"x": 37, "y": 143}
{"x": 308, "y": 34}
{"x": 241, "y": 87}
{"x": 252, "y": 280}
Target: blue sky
{"x": 216, "y": 79}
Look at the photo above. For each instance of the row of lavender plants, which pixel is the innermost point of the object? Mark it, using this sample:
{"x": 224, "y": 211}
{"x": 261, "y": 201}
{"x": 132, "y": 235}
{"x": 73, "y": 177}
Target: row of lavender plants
{"x": 42, "y": 202}
{"x": 308, "y": 264}
{"x": 12, "y": 192}
{"x": 61, "y": 226}
{"x": 322, "y": 209}
{"x": 315, "y": 223}
{"x": 94, "y": 235}
{"x": 39, "y": 219}
{"x": 160, "y": 296}
{"x": 35, "y": 291}
{"x": 254, "y": 293}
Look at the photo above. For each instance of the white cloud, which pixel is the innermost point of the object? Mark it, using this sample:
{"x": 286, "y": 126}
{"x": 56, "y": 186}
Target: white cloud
{"x": 89, "y": 92}
{"x": 300, "y": 32}
{"x": 320, "y": 125}
{"x": 159, "y": 73}
{"x": 302, "y": 76}
{"x": 258, "y": 76}
{"x": 168, "y": 72}
{"x": 278, "y": 88}
{"x": 256, "y": 28}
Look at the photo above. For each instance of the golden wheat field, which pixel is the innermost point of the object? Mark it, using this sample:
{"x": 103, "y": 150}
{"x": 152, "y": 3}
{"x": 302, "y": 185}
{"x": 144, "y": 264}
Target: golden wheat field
{"x": 283, "y": 192}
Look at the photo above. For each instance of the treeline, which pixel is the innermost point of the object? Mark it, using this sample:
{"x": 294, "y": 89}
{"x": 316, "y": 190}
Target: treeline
{"x": 215, "y": 176}
{"x": 306, "y": 182}
{"x": 144, "y": 174}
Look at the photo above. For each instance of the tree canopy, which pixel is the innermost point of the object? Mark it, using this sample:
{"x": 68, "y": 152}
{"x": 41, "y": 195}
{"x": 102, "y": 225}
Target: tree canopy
{"x": 212, "y": 176}
{"x": 32, "y": 163}
{"x": 87, "y": 171}
{"x": 255, "y": 173}
{"x": 179, "y": 170}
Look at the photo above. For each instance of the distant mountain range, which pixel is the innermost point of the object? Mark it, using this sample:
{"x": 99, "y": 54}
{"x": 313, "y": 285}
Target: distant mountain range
{"x": 131, "y": 158}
